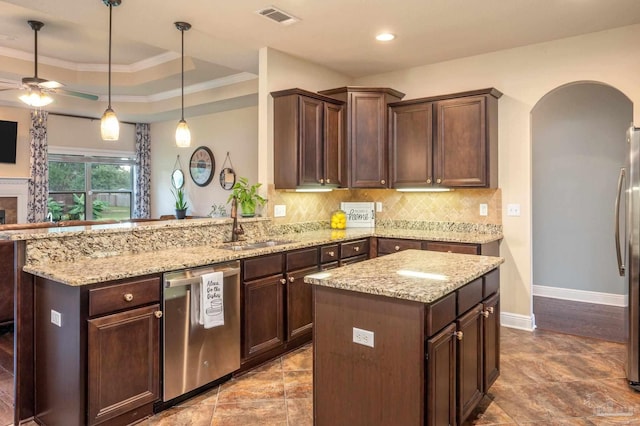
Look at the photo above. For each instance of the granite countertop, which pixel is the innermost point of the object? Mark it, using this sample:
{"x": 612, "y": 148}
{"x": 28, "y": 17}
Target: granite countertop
{"x": 417, "y": 275}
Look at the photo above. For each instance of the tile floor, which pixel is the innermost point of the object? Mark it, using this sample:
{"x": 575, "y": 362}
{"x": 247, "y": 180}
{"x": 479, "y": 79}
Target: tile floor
{"x": 547, "y": 378}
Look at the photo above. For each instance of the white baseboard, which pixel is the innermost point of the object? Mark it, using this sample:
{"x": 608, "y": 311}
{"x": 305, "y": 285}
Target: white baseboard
{"x": 610, "y": 299}
{"x": 521, "y": 322}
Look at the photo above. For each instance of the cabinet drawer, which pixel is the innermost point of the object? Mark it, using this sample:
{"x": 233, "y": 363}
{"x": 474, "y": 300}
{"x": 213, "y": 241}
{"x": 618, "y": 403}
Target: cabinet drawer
{"x": 491, "y": 283}
{"x": 262, "y": 266}
{"x": 300, "y": 259}
{"x": 354, "y": 259}
{"x": 329, "y": 265}
{"x": 329, "y": 253}
{"x": 452, "y": 247}
{"x": 392, "y": 245}
{"x": 354, "y": 248}
{"x": 469, "y": 295}
{"x": 439, "y": 314}
{"x": 123, "y": 296}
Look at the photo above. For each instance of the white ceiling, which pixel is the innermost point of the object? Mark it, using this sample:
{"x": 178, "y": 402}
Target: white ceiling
{"x": 223, "y": 44}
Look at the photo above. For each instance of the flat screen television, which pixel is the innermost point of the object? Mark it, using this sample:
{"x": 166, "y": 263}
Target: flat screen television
{"x": 8, "y": 141}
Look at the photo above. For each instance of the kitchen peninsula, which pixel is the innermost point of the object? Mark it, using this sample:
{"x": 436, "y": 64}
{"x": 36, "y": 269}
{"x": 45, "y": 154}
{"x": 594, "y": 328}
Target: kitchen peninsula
{"x": 410, "y": 338}
{"x": 102, "y": 263}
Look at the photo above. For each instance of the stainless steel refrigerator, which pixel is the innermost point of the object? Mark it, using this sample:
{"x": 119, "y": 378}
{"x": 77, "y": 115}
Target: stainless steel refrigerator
{"x": 627, "y": 235}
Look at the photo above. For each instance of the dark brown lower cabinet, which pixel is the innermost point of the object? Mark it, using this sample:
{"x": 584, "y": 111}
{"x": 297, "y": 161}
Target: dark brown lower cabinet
{"x": 263, "y": 315}
{"x": 126, "y": 376}
{"x": 469, "y": 361}
{"x": 299, "y": 305}
{"x": 6, "y": 282}
{"x": 491, "y": 343}
{"x": 441, "y": 374}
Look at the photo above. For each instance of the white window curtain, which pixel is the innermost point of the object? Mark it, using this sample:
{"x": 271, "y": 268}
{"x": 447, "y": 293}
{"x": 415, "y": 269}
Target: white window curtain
{"x": 39, "y": 181}
{"x": 142, "y": 189}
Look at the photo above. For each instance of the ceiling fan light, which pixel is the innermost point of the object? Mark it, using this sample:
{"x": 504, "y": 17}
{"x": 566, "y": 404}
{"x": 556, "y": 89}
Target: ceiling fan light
{"x": 183, "y": 135}
{"x": 109, "y": 126}
{"x": 36, "y": 99}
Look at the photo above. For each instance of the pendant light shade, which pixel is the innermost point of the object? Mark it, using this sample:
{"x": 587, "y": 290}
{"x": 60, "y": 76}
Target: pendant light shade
{"x": 109, "y": 125}
{"x": 183, "y": 134}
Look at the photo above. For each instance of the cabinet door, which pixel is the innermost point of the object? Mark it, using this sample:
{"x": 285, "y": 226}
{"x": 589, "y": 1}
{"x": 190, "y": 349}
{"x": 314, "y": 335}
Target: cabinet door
{"x": 263, "y": 315}
{"x": 461, "y": 144}
{"x": 491, "y": 344}
{"x": 452, "y": 247}
{"x": 299, "y": 306}
{"x": 123, "y": 367}
{"x": 441, "y": 373}
{"x": 393, "y": 245}
{"x": 334, "y": 150}
{"x": 6, "y": 281}
{"x": 310, "y": 163}
{"x": 411, "y": 145}
{"x": 368, "y": 146}
{"x": 469, "y": 360}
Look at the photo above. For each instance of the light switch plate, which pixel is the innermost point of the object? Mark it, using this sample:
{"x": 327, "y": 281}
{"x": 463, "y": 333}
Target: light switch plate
{"x": 56, "y": 318}
{"x": 363, "y": 337}
{"x": 484, "y": 209}
{"x": 378, "y": 206}
{"x": 513, "y": 209}
{"x": 279, "y": 210}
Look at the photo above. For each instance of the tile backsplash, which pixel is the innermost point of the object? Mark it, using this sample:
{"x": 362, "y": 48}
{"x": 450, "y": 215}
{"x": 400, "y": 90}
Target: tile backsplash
{"x": 460, "y": 205}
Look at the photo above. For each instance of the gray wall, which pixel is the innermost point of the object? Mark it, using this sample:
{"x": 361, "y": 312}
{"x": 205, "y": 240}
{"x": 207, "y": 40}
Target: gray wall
{"x": 579, "y": 145}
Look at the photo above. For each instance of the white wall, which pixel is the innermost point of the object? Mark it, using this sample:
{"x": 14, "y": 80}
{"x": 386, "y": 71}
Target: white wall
{"x": 525, "y": 75}
{"x": 23, "y": 118}
{"x": 82, "y": 136}
{"x": 234, "y": 131}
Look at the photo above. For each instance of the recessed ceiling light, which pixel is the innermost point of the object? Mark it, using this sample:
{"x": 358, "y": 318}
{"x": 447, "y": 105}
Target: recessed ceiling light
{"x": 385, "y": 37}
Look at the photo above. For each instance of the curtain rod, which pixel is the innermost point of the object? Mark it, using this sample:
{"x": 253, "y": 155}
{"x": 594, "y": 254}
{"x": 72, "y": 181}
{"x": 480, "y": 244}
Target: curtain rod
{"x": 86, "y": 117}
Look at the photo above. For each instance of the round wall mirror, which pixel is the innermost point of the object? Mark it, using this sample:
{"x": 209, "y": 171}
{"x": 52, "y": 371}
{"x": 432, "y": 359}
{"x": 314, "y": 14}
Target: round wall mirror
{"x": 227, "y": 178}
{"x": 177, "y": 179}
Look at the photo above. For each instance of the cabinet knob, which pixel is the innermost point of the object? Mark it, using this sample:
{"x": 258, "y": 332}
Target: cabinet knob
{"x": 397, "y": 248}
{"x": 490, "y": 309}
{"x": 291, "y": 279}
{"x": 158, "y": 314}
{"x": 328, "y": 180}
{"x": 331, "y": 254}
{"x": 128, "y": 297}
{"x": 356, "y": 249}
{"x": 321, "y": 180}
{"x": 485, "y": 314}
{"x": 438, "y": 180}
{"x": 383, "y": 181}
{"x": 283, "y": 281}
{"x": 429, "y": 180}
{"x": 458, "y": 335}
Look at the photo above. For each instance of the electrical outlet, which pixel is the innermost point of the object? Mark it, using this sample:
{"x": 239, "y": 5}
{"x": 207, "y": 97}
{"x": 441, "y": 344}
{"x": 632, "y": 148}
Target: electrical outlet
{"x": 279, "y": 210}
{"x": 484, "y": 209}
{"x": 378, "y": 206}
{"x": 513, "y": 209}
{"x": 56, "y": 318}
{"x": 363, "y": 337}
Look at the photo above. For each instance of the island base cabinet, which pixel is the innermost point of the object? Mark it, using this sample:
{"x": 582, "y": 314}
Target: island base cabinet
{"x": 124, "y": 378}
{"x": 356, "y": 384}
{"x": 491, "y": 347}
{"x": 441, "y": 373}
{"x": 469, "y": 360}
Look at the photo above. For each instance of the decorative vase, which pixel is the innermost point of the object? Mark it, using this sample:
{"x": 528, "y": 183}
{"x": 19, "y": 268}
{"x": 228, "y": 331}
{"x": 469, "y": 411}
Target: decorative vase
{"x": 181, "y": 213}
{"x": 248, "y": 210}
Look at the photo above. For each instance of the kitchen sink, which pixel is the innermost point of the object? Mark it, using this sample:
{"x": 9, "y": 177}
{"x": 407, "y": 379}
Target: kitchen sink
{"x": 246, "y": 245}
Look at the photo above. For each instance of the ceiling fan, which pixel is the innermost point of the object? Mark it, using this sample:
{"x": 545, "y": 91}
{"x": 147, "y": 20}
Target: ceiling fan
{"x": 37, "y": 88}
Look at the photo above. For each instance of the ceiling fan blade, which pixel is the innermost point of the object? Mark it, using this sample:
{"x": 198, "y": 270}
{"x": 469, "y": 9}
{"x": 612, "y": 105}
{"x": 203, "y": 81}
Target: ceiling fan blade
{"x": 50, "y": 84}
{"x": 8, "y": 88}
{"x": 76, "y": 94}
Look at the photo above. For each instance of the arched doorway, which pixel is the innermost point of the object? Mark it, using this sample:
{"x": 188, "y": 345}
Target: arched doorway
{"x": 578, "y": 147}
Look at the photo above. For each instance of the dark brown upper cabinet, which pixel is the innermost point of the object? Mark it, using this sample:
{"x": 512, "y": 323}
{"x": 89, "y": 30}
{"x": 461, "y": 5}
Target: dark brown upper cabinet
{"x": 449, "y": 141}
{"x": 366, "y": 133}
{"x": 308, "y": 140}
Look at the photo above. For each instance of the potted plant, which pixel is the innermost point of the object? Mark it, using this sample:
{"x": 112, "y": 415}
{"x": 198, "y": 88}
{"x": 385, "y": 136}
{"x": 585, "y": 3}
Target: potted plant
{"x": 181, "y": 203}
{"x": 247, "y": 196}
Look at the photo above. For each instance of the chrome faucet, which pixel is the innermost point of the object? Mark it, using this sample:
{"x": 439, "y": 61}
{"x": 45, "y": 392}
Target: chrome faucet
{"x": 237, "y": 229}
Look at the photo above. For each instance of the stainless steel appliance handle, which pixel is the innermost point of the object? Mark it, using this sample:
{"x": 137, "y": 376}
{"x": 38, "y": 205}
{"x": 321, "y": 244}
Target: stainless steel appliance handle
{"x": 177, "y": 282}
{"x": 621, "y": 266}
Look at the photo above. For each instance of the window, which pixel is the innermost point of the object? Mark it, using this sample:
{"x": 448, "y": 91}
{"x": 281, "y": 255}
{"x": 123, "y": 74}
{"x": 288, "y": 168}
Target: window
{"x": 91, "y": 188}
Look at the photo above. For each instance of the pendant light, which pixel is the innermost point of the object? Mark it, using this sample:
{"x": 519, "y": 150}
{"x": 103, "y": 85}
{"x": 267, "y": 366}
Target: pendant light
{"x": 183, "y": 135}
{"x": 109, "y": 125}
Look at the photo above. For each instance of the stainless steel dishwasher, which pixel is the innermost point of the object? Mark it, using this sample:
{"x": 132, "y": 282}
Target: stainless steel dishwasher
{"x": 194, "y": 355}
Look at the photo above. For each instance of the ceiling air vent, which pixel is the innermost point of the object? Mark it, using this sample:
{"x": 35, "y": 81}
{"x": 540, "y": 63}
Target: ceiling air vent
{"x": 278, "y": 15}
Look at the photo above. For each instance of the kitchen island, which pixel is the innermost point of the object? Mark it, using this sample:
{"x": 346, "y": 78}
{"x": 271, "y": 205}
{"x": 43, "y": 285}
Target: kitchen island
{"x": 411, "y": 338}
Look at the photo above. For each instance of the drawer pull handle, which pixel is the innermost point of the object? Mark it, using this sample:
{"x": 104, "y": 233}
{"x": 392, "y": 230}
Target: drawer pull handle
{"x": 485, "y": 314}
{"x": 158, "y": 314}
{"x": 128, "y": 297}
{"x": 321, "y": 180}
{"x": 438, "y": 180}
{"x": 356, "y": 249}
{"x": 458, "y": 335}
{"x": 397, "y": 248}
{"x": 490, "y": 309}
{"x": 383, "y": 182}
{"x": 429, "y": 180}
{"x": 328, "y": 180}
{"x": 292, "y": 279}
{"x": 283, "y": 281}
{"x": 331, "y": 254}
